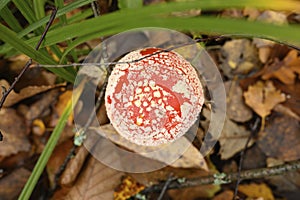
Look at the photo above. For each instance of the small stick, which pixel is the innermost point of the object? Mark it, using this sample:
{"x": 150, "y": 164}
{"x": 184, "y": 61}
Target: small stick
{"x": 164, "y": 189}
{"x": 227, "y": 178}
{"x": 242, "y": 155}
{"x": 28, "y": 63}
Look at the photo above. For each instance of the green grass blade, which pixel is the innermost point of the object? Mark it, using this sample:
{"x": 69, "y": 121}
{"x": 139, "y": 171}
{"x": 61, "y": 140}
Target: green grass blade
{"x": 26, "y": 10}
{"x": 39, "y": 8}
{"x": 60, "y": 12}
{"x": 10, "y": 19}
{"x": 3, "y": 3}
{"x": 101, "y": 27}
{"x": 10, "y": 37}
{"x": 76, "y": 4}
{"x": 158, "y": 15}
{"x": 124, "y": 4}
{"x": 43, "y": 159}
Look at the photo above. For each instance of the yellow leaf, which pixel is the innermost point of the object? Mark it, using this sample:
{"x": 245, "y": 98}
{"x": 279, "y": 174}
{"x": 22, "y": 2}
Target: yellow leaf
{"x": 128, "y": 188}
{"x": 263, "y": 97}
{"x": 256, "y": 191}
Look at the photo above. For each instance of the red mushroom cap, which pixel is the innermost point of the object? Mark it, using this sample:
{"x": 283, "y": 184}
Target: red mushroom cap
{"x": 155, "y": 100}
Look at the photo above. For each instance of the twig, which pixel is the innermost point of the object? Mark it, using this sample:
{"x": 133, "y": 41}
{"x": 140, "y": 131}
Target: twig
{"x": 230, "y": 177}
{"x": 164, "y": 189}
{"x": 242, "y": 155}
{"x": 28, "y": 63}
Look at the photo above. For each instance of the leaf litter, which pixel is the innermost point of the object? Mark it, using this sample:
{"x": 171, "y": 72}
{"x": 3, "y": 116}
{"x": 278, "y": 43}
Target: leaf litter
{"x": 272, "y": 94}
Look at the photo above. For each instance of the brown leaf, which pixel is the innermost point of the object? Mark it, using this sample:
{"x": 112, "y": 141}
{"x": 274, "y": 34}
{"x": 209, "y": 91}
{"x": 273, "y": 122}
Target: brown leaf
{"x": 281, "y": 138}
{"x": 285, "y": 70}
{"x": 233, "y": 139}
{"x": 226, "y": 195}
{"x": 38, "y": 107}
{"x": 73, "y": 168}
{"x": 56, "y": 160}
{"x": 293, "y": 95}
{"x": 24, "y": 93}
{"x": 12, "y": 184}
{"x": 14, "y": 132}
{"x": 257, "y": 190}
{"x": 96, "y": 181}
{"x": 262, "y": 97}
{"x": 191, "y": 158}
{"x": 239, "y": 57}
{"x": 236, "y": 108}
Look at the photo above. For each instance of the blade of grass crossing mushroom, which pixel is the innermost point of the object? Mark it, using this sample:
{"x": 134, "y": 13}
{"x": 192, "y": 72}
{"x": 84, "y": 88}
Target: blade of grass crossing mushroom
{"x": 43, "y": 159}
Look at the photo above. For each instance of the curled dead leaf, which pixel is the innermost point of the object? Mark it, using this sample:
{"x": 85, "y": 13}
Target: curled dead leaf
{"x": 285, "y": 70}
{"x": 24, "y": 93}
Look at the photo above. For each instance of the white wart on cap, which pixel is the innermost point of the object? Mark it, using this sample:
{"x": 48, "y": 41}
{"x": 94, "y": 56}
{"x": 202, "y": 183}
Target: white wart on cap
{"x": 155, "y": 100}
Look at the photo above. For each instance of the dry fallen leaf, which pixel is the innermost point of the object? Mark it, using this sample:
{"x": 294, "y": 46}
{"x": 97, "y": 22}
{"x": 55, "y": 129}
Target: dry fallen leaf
{"x": 96, "y": 181}
{"x": 233, "y": 139}
{"x": 236, "y": 108}
{"x": 285, "y": 70}
{"x": 56, "y": 160}
{"x": 128, "y": 188}
{"x": 239, "y": 57}
{"x": 191, "y": 158}
{"x": 12, "y": 184}
{"x": 14, "y": 132}
{"x": 24, "y": 93}
{"x": 62, "y": 102}
{"x": 226, "y": 195}
{"x": 40, "y": 106}
{"x": 74, "y": 166}
{"x": 262, "y": 98}
{"x": 257, "y": 190}
{"x": 281, "y": 138}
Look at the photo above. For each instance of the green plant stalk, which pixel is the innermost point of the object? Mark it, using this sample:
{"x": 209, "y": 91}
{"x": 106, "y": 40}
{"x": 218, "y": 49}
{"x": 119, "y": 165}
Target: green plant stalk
{"x": 10, "y": 37}
{"x": 63, "y": 22}
{"x": 39, "y": 8}
{"x": 44, "y": 157}
{"x": 32, "y": 27}
{"x": 150, "y": 17}
{"x": 10, "y": 19}
{"x": 3, "y": 3}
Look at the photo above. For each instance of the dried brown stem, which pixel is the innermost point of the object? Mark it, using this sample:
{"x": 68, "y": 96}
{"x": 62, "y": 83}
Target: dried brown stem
{"x": 28, "y": 63}
{"x": 242, "y": 157}
{"x": 227, "y": 178}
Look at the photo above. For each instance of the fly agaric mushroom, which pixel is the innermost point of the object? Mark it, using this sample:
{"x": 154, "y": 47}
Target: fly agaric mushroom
{"x": 154, "y": 100}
